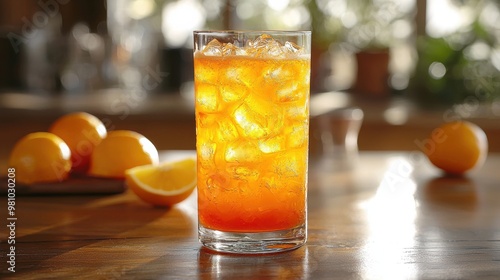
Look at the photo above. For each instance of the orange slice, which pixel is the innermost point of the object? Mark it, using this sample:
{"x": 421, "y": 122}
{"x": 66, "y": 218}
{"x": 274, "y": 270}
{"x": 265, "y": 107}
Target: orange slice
{"x": 165, "y": 184}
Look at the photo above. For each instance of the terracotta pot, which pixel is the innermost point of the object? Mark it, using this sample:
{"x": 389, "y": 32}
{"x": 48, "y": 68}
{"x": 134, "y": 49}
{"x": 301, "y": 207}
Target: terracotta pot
{"x": 372, "y": 73}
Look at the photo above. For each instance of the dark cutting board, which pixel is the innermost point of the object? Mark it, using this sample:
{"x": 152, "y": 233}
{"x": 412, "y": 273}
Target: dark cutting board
{"x": 81, "y": 185}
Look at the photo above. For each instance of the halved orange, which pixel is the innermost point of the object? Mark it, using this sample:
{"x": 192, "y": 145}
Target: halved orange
{"x": 165, "y": 184}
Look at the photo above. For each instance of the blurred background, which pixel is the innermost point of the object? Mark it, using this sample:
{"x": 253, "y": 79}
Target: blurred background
{"x": 408, "y": 64}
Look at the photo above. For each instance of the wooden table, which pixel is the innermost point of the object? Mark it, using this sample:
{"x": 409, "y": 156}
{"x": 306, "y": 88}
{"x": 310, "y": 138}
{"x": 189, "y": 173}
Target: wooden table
{"x": 393, "y": 217}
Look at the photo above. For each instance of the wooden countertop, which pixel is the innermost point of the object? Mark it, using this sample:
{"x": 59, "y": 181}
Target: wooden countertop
{"x": 393, "y": 217}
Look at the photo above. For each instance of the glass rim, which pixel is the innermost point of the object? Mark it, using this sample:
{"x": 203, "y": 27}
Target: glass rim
{"x": 251, "y": 32}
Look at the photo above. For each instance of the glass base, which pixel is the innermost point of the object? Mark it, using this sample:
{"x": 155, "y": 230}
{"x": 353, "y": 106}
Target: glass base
{"x": 252, "y": 243}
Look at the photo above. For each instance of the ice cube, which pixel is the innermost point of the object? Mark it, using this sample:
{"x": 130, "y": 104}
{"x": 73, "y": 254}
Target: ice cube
{"x": 234, "y": 74}
{"x": 291, "y": 163}
{"x": 278, "y": 74}
{"x": 261, "y": 42}
{"x": 274, "y": 49}
{"x": 287, "y": 88}
{"x": 264, "y": 46}
{"x": 297, "y": 136}
{"x": 234, "y": 92}
{"x": 258, "y": 118}
{"x": 207, "y": 97}
{"x": 296, "y": 110}
{"x": 292, "y": 48}
{"x": 206, "y": 120}
{"x": 274, "y": 74}
{"x": 213, "y": 48}
{"x": 206, "y": 153}
{"x": 206, "y": 74}
{"x": 226, "y": 131}
{"x": 241, "y": 75}
{"x": 230, "y": 49}
{"x": 244, "y": 173}
{"x": 272, "y": 145}
{"x": 291, "y": 92}
{"x": 242, "y": 151}
{"x": 218, "y": 181}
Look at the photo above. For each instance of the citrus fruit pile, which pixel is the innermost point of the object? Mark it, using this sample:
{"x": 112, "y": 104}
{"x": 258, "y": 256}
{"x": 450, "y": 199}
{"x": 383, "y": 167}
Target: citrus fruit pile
{"x": 78, "y": 144}
{"x": 457, "y": 147}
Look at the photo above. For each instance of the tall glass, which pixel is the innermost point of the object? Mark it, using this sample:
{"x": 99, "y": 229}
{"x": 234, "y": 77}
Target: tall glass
{"x": 252, "y": 128}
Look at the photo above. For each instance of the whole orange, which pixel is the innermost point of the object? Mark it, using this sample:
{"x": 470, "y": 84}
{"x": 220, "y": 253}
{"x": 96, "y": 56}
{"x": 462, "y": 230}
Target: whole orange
{"x": 40, "y": 157}
{"x": 82, "y": 132}
{"x": 457, "y": 147}
{"x": 119, "y": 151}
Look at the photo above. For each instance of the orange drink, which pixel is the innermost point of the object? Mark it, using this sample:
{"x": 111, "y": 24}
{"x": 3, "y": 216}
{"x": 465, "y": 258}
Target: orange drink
{"x": 252, "y": 127}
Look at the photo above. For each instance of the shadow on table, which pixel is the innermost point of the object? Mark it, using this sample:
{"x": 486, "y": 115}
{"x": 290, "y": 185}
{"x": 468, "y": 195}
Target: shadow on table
{"x": 451, "y": 191}
{"x": 80, "y": 226}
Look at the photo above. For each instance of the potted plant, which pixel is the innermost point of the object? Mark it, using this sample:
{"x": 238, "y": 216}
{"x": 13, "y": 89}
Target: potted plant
{"x": 371, "y": 36}
{"x": 460, "y": 67}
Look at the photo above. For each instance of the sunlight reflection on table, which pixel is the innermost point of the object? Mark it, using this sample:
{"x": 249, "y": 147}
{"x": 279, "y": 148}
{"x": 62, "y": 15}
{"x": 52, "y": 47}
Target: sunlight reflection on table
{"x": 390, "y": 215}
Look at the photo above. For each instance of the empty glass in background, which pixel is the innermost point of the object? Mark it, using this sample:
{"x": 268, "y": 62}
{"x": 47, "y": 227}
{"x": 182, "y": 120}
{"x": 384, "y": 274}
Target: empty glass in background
{"x": 252, "y": 126}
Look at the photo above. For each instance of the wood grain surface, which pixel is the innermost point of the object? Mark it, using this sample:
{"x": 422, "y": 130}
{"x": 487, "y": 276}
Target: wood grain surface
{"x": 392, "y": 217}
